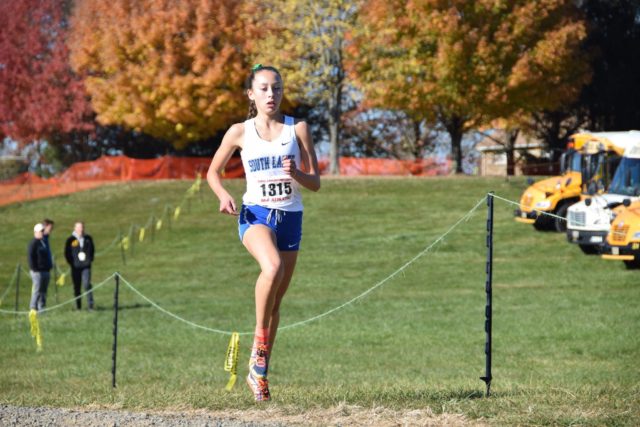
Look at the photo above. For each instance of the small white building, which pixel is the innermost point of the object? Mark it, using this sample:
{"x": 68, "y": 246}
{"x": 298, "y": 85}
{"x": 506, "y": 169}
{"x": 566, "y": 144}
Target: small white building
{"x": 493, "y": 155}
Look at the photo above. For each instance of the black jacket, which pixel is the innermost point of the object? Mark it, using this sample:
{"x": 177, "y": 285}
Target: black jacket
{"x": 72, "y": 249}
{"x": 38, "y": 255}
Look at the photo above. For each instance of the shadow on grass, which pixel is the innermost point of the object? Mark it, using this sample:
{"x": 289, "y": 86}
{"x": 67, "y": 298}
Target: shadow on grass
{"x": 441, "y": 396}
{"x": 124, "y": 307}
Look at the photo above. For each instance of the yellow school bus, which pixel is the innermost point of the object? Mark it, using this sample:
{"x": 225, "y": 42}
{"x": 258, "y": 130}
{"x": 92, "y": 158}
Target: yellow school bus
{"x": 589, "y": 221}
{"x": 623, "y": 240}
{"x": 557, "y": 193}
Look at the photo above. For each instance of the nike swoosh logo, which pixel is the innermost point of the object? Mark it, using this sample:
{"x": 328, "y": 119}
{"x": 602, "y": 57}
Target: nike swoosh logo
{"x": 285, "y": 143}
{"x": 294, "y": 245}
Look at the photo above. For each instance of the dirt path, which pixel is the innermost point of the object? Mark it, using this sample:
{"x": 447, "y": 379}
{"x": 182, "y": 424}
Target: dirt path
{"x": 341, "y": 415}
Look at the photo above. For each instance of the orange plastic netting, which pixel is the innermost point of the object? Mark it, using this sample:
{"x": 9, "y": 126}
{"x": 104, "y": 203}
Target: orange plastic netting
{"x": 351, "y": 166}
{"x": 85, "y": 175}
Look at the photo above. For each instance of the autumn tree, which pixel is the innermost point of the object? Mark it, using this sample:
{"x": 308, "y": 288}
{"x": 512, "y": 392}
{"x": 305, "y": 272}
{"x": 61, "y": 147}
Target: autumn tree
{"x": 40, "y": 96}
{"x": 466, "y": 63}
{"x": 385, "y": 134}
{"x": 171, "y": 69}
{"x": 306, "y": 41}
{"x": 608, "y": 102}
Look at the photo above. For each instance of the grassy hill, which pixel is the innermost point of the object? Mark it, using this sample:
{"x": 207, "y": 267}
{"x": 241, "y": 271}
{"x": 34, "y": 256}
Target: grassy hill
{"x": 566, "y": 342}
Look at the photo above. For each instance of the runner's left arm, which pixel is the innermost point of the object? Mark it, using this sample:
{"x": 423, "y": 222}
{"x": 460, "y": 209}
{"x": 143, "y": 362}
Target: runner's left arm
{"x": 307, "y": 174}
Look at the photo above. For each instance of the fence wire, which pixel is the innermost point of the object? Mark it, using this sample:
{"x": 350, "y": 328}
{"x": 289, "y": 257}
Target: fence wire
{"x": 372, "y": 288}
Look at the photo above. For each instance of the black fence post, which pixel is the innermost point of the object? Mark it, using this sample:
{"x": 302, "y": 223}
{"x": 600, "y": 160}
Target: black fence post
{"x": 114, "y": 349}
{"x": 18, "y": 272}
{"x": 488, "y": 289}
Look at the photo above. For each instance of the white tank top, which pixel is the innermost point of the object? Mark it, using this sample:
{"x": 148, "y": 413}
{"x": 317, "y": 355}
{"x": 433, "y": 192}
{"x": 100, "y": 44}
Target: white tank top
{"x": 267, "y": 184}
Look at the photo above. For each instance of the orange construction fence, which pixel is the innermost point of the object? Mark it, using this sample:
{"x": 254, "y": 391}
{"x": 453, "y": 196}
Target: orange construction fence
{"x": 351, "y": 166}
{"x": 85, "y": 175}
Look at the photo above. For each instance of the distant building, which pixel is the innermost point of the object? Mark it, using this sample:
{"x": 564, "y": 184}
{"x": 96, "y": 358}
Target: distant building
{"x": 530, "y": 157}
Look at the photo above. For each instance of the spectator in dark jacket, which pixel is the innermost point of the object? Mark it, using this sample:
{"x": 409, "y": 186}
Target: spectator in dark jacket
{"x": 48, "y": 228}
{"x": 79, "y": 251}
{"x": 40, "y": 263}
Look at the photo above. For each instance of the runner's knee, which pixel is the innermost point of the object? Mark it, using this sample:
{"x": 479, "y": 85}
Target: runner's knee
{"x": 273, "y": 270}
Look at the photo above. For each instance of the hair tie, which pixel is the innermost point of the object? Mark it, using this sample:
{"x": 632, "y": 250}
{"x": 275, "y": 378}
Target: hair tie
{"x": 256, "y": 67}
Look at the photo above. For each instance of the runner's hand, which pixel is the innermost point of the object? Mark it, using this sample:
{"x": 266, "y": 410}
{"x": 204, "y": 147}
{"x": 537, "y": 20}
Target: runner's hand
{"x": 289, "y": 167}
{"x": 228, "y": 206}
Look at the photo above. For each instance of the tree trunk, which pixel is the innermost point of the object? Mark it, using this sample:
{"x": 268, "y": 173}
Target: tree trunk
{"x": 334, "y": 129}
{"x": 512, "y": 135}
{"x": 334, "y": 164}
{"x": 455, "y": 128}
{"x": 511, "y": 163}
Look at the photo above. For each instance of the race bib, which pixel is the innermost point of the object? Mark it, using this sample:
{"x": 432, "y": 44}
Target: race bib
{"x": 82, "y": 256}
{"x": 274, "y": 190}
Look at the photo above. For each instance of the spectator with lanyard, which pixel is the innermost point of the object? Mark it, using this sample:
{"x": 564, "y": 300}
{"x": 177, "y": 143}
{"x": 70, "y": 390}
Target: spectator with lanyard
{"x": 79, "y": 251}
{"x": 278, "y": 158}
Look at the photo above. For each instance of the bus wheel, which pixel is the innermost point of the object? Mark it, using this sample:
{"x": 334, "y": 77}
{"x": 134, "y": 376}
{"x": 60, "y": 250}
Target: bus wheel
{"x": 589, "y": 249}
{"x": 632, "y": 265}
{"x": 542, "y": 223}
{"x": 561, "y": 224}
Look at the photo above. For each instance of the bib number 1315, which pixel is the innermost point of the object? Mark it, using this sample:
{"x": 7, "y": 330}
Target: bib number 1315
{"x": 276, "y": 189}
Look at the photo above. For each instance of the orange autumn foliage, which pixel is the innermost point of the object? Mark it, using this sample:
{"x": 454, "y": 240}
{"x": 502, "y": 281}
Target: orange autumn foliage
{"x": 172, "y": 69}
{"x": 467, "y": 63}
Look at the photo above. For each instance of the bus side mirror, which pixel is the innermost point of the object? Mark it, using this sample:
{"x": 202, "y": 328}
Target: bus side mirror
{"x": 587, "y": 202}
{"x": 626, "y": 203}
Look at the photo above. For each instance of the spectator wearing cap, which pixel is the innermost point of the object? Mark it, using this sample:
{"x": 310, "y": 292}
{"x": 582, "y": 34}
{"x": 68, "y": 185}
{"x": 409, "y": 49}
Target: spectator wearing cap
{"x": 39, "y": 257}
{"x": 78, "y": 251}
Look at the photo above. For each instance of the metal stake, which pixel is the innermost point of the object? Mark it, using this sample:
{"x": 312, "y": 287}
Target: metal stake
{"x": 114, "y": 350}
{"x": 488, "y": 289}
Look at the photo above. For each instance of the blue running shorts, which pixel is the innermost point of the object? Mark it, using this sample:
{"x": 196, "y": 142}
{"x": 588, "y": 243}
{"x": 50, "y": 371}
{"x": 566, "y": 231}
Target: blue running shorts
{"x": 286, "y": 225}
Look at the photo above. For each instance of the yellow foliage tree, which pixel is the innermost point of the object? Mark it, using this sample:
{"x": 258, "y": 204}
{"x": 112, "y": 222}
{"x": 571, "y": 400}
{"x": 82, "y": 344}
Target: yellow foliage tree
{"x": 172, "y": 69}
{"x": 467, "y": 63}
{"x": 306, "y": 41}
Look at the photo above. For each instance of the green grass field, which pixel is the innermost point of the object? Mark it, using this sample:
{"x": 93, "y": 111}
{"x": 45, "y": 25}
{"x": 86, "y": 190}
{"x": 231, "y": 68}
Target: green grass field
{"x": 565, "y": 330}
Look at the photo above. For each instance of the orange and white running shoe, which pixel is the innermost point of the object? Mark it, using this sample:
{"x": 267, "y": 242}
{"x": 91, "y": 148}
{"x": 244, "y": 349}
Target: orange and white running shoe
{"x": 259, "y": 361}
{"x": 257, "y": 378}
{"x": 259, "y": 387}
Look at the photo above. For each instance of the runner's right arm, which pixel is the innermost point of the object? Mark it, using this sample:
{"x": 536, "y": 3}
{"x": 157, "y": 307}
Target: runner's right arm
{"x": 230, "y": 143}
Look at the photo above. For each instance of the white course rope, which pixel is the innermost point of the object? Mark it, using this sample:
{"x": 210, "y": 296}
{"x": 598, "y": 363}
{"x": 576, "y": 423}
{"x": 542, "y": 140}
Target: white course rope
{"x": 109, "y": 247}
{"x": 11, "y": 282}
{"x": 520, "y": 206}
{"x": 427, "y": 249}
{"x": 464, "y": 218}
{"x": 59, "y": 271}
{"x": 118, "y": 239}
{"x": 175, "y": 316}
{"x": 93, "y": 288}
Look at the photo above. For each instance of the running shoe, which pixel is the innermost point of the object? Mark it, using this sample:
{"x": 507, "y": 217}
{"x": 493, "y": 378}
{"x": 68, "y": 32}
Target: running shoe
{"x": 259, "y": 386}
{"x": 259, "y": 361}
